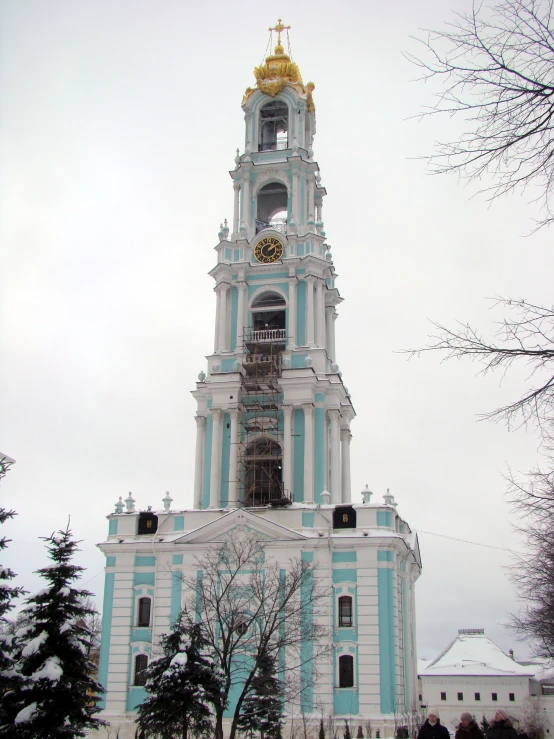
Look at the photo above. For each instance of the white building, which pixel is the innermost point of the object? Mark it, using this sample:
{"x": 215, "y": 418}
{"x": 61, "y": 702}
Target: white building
{"x": 273, "y": 427}
{"x": 473, "y": 674}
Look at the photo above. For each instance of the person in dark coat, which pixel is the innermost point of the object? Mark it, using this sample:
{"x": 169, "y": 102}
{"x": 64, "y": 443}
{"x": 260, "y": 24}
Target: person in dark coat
{"x": 501, "y": 727}
{"x": 432, "y": 728}
{"x": 468, "y": 728}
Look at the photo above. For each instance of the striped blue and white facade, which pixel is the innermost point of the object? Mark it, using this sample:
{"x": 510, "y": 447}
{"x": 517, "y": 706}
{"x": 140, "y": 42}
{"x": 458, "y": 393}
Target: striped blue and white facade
{"x": 375, "y": 563}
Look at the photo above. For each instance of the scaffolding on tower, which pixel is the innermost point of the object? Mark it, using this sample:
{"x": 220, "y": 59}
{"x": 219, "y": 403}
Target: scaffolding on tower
{"x": 261, "y": 442}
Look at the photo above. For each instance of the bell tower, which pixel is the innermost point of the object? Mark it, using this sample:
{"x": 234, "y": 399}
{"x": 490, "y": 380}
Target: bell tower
{"x": 273, "y": 417}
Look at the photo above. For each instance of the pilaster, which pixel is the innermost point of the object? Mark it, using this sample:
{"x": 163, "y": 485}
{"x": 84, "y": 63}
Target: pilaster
{"x": 199, "y": 459}
{"x": 215, "y": 467}
{"x": 308, "y": 452}
{"x": 334, "y": 418}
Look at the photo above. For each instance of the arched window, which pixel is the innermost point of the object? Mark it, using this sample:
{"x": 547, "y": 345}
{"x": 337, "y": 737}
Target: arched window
{"x": 263, "y": 472}
{"x": 144, "y": 611}
{"x": 272, "y": 204}
{"x": 268, "y": 311}
{"x": 141, "y": 663}
{"x": 345, "y": 610}
{"x": 274, "y": 123}
{"x": 346, "y": 671}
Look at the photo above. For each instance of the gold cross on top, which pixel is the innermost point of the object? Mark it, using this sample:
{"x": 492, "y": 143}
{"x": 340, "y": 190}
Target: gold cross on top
{"x": 279, "y": 27}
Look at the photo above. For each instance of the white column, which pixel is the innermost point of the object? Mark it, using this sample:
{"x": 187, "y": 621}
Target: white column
{"x": 291, "y": 343}
{"x": 217, "y": 317}
{"x": 295, "y": 197}
{"x": 310, "y": 203}
{"x": 318, "y": 211}
{"x": 345, "y": 437}
{"x": 287, "y": 449}
{"x": 334, "y": 317}
{"x": 236, "y": 210}
{"x": 241, "y": 315}
{"x": 328, "y": 321}
{"x": 320, "y": 313}
{"x": 199, "y": 459}
{"x": 308, "y": 452}
{"x": 246, "y": 201}
{"x": 215, "y": 466}
{"x": 310, "y": 311}
{"x": 334, "y": 416}
{"x": 223, "y": 340}
{"x": 234, "y": 459}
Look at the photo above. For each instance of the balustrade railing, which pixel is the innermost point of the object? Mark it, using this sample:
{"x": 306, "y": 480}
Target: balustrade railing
{"x": 274, "y": 145}
{"x": 267, "y": 334}
{"x": 277, "y": 225}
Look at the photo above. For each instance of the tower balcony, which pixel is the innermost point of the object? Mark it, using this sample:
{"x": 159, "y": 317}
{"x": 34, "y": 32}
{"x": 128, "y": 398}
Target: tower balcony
{"x": 266, "y": 336}
{"x": 277, "y": 224}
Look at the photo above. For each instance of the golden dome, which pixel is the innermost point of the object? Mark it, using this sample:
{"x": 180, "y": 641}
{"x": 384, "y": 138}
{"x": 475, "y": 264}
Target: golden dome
{"x": 278, "y": 71}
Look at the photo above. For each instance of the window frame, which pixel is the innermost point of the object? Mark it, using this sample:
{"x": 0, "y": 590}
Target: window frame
{"x": 346, "y": 659}
{"x": 511, "y": 697}
{"x": 342, "y": 618}
{"x": 443, "y": 696}
{"x": 477, "y": 696}
{"x": 494, "y": 697}
{"x": 137, "y": 672}
{"x": 460, "y": 696}
{"x": 140, "y": 600}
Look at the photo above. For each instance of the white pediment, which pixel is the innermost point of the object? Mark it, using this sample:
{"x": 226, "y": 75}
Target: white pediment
{"x": 237, "y": 520}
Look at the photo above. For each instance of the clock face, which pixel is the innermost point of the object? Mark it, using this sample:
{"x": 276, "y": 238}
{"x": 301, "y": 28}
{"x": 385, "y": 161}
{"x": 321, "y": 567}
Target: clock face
{"x": 269, "y": 249}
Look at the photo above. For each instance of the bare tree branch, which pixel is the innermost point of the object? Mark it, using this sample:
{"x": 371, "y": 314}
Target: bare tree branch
{"x": 495, "y": 67}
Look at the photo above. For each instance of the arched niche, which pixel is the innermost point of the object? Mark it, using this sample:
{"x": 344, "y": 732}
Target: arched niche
{"x": 263, "y": 476}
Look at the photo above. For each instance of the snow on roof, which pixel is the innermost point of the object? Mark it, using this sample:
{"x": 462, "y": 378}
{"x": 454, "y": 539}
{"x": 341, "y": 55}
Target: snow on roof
{"x": 473, "y": 653}
{"x": 545, "y": 674}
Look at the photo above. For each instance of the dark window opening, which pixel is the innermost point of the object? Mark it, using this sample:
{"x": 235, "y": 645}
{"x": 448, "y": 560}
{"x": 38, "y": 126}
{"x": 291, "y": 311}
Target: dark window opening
{"x": 494, "y": 696}
{"x": 420, "y": 698}
{"x": 443, "y": 696}
{"x": 274, "y": 120}
{"x": 346, "y": 671}
{"x": 263, "y": 468}
{"x": 344, "y": 517}
{"x": 272, "y": 207}
{"x": 477, "y": 696}
{"x": 147, "y": 523}
{"x": 141, "y": 663}
{"x": 512, "y": 697}
{"x": 144, "y": 606}
{"x": 345, "y": 610}
{"x": 242, "y": 628}
{"x": 460, "y": 696}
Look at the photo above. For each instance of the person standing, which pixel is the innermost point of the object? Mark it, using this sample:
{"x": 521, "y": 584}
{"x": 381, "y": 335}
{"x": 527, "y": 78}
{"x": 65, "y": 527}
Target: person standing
{"x": 501, "y": 727}
{"x": 468, "y": 728}
{"x": 432, "y": 728}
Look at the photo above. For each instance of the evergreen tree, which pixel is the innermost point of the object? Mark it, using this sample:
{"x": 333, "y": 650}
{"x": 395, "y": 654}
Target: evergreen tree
{"x": 321, "y": 730}
{"x": 262, "y": 709}
{"x": 182, "y": 685}
{"x": 56, "y": 698}
{"x": 347, "y": 734}
{"x": 9, "y": 679}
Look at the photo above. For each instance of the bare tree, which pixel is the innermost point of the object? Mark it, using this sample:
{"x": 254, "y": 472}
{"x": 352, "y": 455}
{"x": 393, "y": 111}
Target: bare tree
{"x": 495, "y": 68}
{"x": 533, "y": 499}
{"x": 250, "y": 606}
{"x": 526, "y": 338}
{"x": 533, "y": 720}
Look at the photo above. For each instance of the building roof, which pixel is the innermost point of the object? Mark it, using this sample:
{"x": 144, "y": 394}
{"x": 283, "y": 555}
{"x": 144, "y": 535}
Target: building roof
{"x": 473, "y": 653}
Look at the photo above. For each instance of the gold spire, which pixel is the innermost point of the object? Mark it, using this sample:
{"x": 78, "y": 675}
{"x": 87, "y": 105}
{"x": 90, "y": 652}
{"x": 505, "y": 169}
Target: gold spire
{"x": 278, "y": 71}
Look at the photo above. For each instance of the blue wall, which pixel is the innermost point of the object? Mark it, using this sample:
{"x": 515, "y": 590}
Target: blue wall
{"x": 207, "y": 462}
{"x": 298, "y": 478}
{"x": 386, "y": 639}
{"x": 106, "y": 633}
{"x": 319, "y": 453}
{"x": 225, "y": 450}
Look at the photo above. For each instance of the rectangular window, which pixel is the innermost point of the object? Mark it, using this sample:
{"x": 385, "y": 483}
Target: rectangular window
{"x": 460, "y": 696}
{"x": 443, "y": 696}
{"x": 512, "y": 697}
{"x": 477, "y": 696}
{"x": 494, "y": 696}
{"x": 346, "y": 671}
{"x": 420, "y": 698}
{"x": 345, "y": 610}
{"x": 144, "y": 605}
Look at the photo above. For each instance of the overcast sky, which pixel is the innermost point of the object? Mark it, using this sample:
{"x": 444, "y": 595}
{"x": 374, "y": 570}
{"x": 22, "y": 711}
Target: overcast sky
{"x": 119, "y": 124}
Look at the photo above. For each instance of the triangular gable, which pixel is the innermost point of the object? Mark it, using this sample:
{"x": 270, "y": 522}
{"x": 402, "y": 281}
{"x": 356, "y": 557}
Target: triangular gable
{"x": 265, "y": 530}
